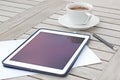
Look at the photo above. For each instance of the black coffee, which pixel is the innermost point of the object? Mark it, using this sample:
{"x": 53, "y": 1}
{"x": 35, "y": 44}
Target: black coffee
{"x": 78, "y": 8}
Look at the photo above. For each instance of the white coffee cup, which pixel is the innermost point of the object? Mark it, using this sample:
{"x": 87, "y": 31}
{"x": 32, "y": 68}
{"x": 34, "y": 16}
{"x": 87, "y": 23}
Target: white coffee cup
{"x": 79, "y": 13}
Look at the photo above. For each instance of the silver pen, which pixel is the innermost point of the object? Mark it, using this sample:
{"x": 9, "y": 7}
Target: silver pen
{"x": 105, "y": 42}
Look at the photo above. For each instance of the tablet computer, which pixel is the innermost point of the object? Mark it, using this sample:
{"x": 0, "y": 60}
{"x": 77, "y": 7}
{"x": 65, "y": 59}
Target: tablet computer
{"x": 48, "y": 51}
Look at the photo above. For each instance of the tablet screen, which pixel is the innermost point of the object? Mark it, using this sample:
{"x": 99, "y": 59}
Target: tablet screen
{"x": 50, "y": 50}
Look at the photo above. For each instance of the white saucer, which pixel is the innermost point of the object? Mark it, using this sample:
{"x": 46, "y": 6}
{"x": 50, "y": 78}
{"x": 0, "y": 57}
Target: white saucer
{"x": 64, "y": 20}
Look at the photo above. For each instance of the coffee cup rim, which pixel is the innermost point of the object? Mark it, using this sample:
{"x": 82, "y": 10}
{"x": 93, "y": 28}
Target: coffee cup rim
{"x": 84, "y": 4}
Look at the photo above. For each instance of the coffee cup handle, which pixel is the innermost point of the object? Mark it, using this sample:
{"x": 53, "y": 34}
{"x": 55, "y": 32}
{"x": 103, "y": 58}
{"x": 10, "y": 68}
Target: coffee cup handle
{"x": 89, "y": 17}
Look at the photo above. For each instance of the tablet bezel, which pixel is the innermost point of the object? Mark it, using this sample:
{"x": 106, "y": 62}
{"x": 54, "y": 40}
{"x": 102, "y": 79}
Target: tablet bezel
{"x": 10, "y": 63}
